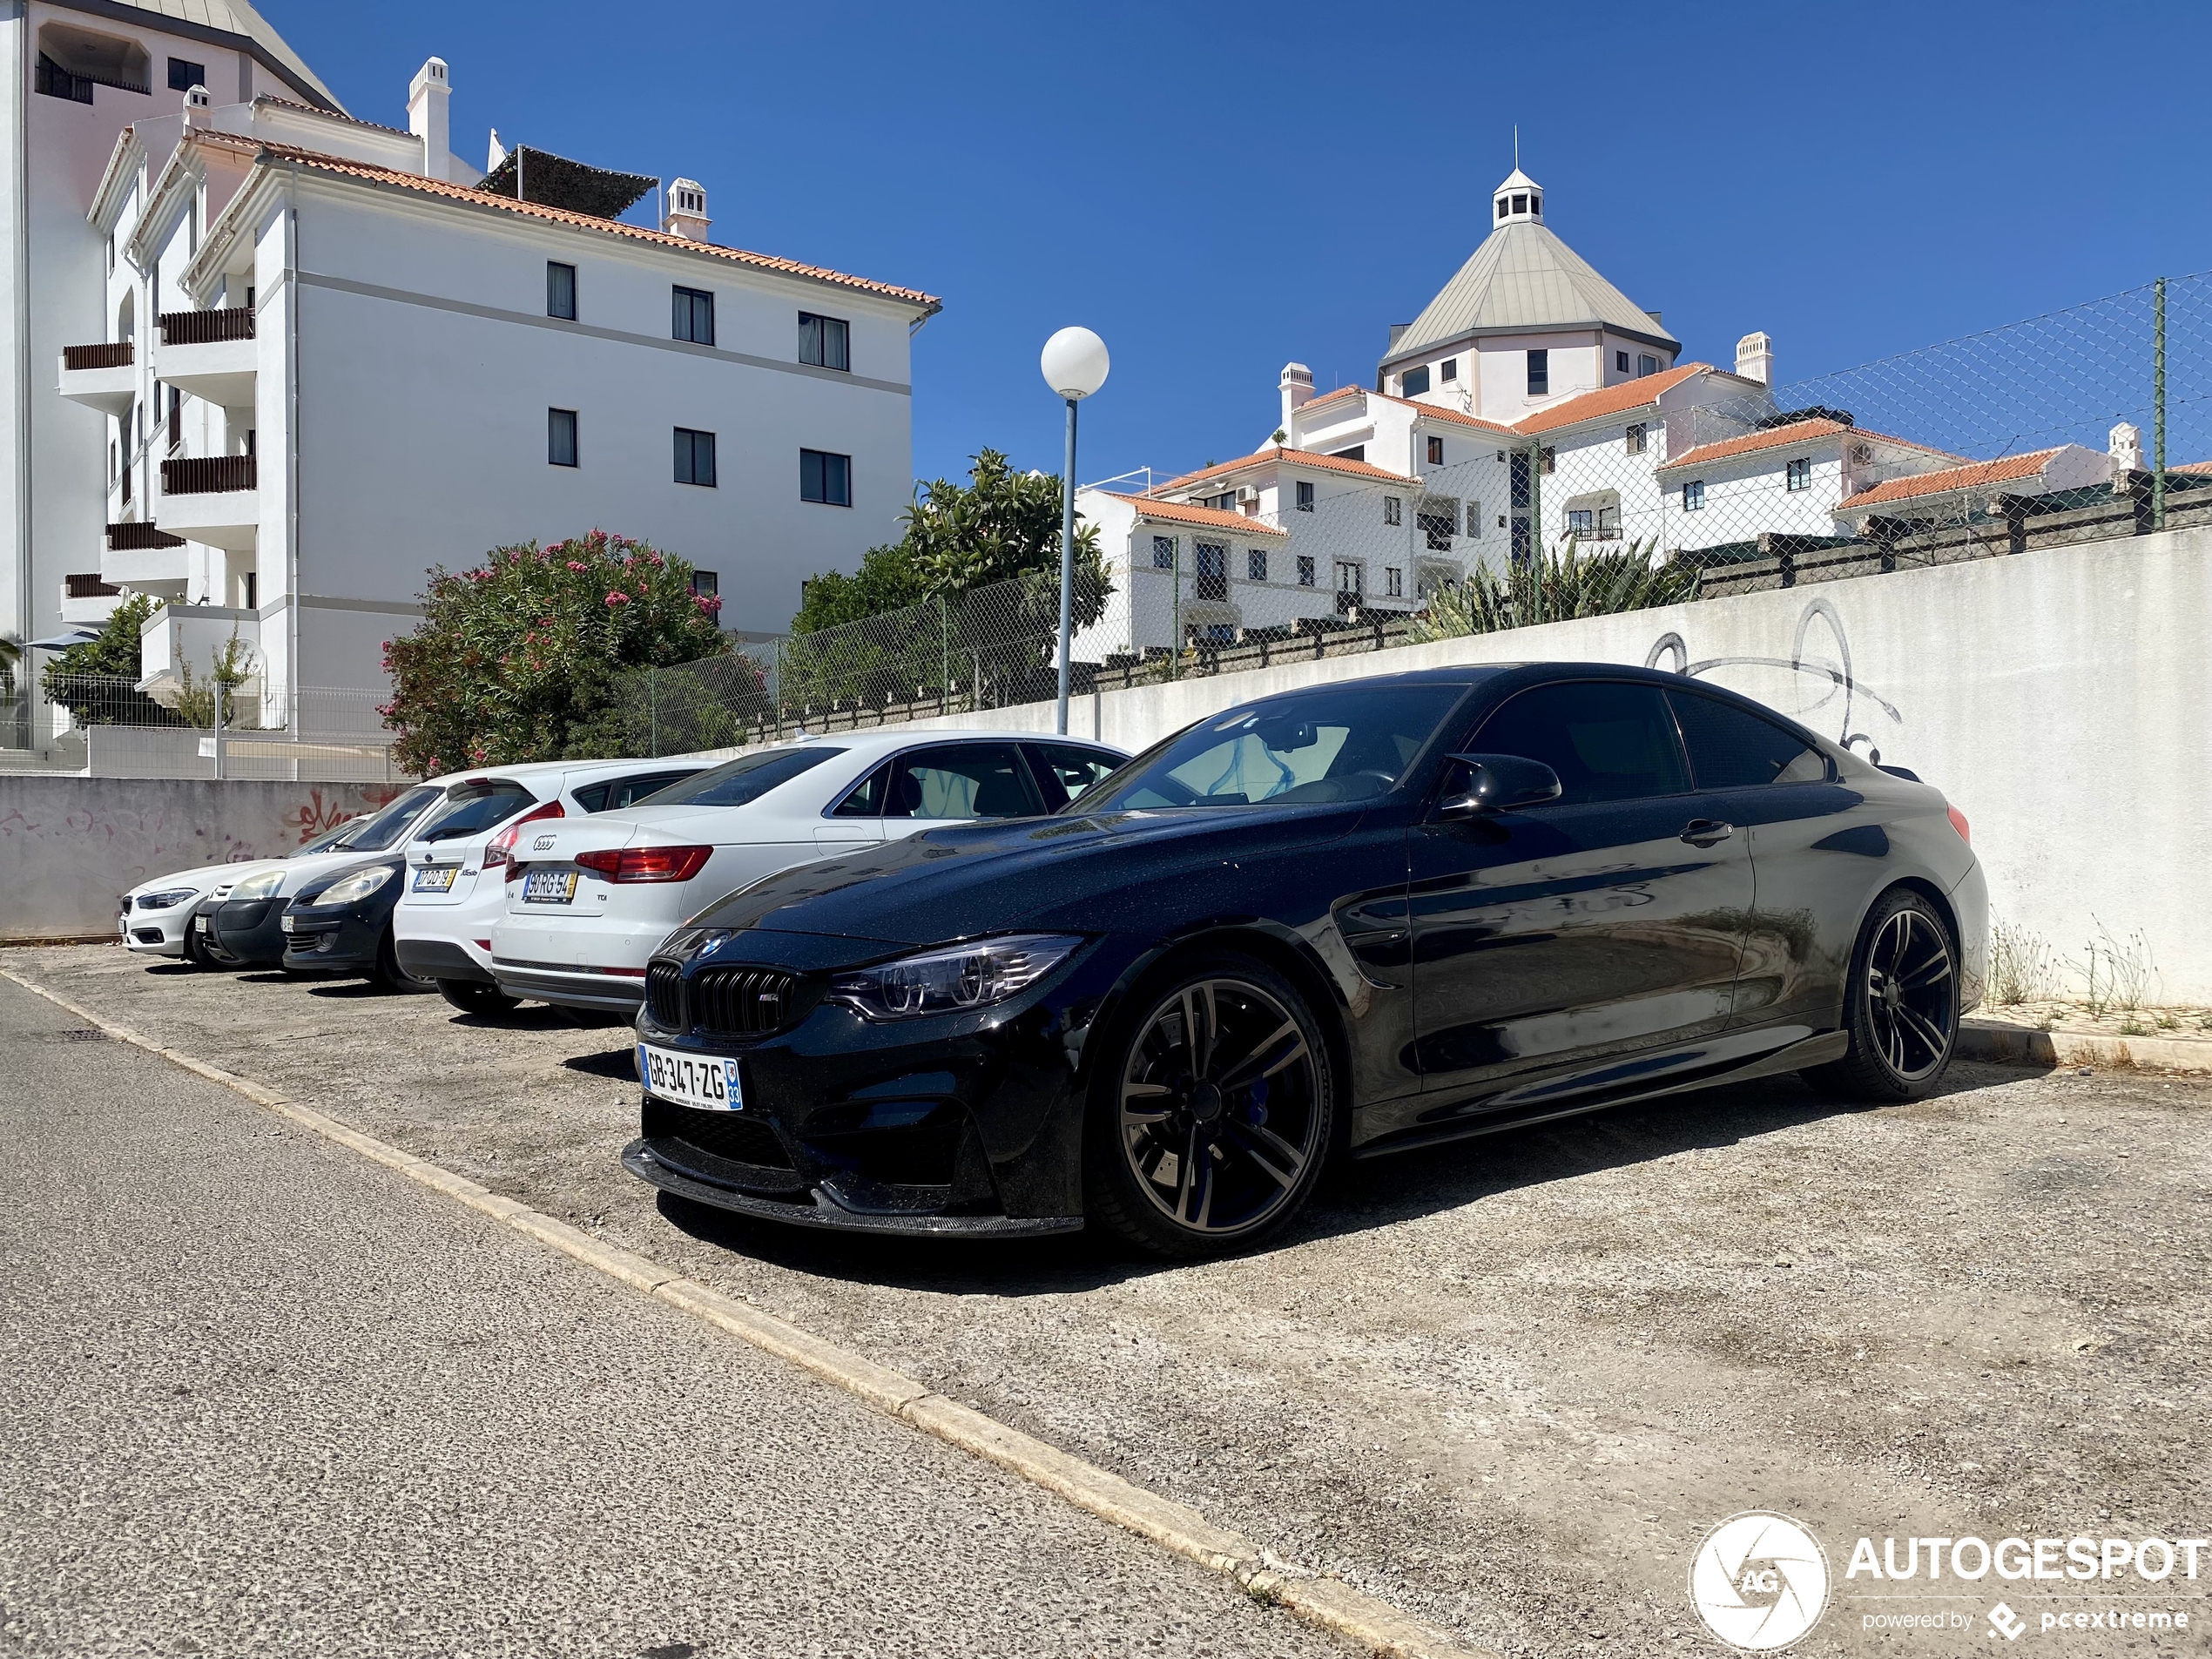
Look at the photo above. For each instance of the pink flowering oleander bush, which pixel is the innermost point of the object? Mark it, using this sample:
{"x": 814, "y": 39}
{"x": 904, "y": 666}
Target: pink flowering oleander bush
{"x": 522, "y": 658}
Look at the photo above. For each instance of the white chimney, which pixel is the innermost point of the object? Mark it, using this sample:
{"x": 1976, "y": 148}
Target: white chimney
{"x": 2127, "y": 449}
{"x": 426, "y": 116}
{"x": 1755, "y": 359}
{"x": 1297, "y": 390}
{"x": 197, "y": 106}
{"x": 687, "y": 210}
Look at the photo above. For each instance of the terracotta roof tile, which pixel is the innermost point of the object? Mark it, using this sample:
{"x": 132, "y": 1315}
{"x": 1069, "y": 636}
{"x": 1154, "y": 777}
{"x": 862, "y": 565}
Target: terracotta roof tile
{"x": 1779, "y": 437}
{"x": 1608, "y": 399}
{"x": 1296, "y": 457}
{"x": 331, "y": 115}
{"x": 1183, "y": 512}
{"x": 2199, "y": 467}
{"x": 372, "y": 174}
{"x": 1975, "y": 475}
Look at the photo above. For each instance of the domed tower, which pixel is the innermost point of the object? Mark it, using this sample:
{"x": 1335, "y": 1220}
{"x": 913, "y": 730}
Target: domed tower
{"x": 1526, "y": 321}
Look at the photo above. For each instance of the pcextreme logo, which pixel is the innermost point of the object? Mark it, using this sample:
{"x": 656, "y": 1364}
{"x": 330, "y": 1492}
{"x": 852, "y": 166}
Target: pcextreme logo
{"x": 1759, "y": 1580}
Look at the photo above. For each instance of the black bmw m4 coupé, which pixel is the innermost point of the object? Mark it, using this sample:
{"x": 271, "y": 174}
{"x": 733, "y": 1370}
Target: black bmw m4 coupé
{"x": 1338, "y": 922}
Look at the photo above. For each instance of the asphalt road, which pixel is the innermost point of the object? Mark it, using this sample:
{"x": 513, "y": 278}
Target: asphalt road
{"x": 264, "y": 1397}
{"x": 1506, "y": 1386}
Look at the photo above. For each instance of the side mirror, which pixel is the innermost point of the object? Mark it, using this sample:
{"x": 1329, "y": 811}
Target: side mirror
{"x": 1498, "y": 783}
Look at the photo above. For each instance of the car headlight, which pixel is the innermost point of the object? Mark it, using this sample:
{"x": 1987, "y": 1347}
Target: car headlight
{"x": 358, "y": 885}
{"x": 263, "y": 885}
{"x": 955, "y": 978}
{"x": 165, "y": 899}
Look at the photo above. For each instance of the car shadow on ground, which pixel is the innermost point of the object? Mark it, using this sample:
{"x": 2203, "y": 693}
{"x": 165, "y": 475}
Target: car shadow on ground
{"x": 621, "y": 1064}
{"x": 1357, "y": 1196}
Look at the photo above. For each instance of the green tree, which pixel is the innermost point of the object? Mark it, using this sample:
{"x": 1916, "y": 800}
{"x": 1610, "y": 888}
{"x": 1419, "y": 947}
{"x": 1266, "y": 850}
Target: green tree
{"x": 999, "y": 525}
{"x": 524, "y": 657}
{"x": 97, "y": 680}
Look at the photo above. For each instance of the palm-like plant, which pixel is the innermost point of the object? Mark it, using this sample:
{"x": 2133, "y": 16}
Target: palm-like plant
{"x": 1556, "y": 587}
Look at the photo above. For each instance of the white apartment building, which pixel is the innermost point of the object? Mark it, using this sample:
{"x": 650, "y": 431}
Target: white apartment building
{"x": 319, "y": 359}
{"x": 1530, "y": 401}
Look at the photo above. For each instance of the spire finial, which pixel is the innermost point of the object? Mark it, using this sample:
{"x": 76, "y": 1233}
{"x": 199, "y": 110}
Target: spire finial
{"x": 1516, "y": 146}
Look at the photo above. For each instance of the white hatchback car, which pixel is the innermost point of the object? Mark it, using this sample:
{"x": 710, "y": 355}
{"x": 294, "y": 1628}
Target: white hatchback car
{"x": 155, "y": 918}
{"x": 441, "y": 925}
{"x": 589, "y": 902}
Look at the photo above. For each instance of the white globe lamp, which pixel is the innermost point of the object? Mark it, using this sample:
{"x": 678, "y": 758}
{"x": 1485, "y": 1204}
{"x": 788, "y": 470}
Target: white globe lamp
{"x": 1074, "y": 363}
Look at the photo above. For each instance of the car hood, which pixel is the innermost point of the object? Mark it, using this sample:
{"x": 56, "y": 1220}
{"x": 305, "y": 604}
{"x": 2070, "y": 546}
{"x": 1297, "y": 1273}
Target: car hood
{"x": 298, "y": 873}
{"x": 208, "y": 875}
{"x": 1106, "y": 873}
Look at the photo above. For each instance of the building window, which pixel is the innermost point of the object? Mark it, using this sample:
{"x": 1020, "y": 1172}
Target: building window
{"x": 1501, "y": 208}
{"x": 1449, "y": 371}
{"x": 1521, "y": 204}
{"x": 1358, "y": 452}
{"x": 1540, "y": 373}
{"x": 1393, "y": 582}
{"x": 1305, "y": 570}
{"x": 825, "y": 341}
{"x": 1416, "y": 380}
{"x": 1636, "y": 439}
{"x": 1351, "y": 585}
{"x": 560, "y": 437}
{"x": 1305, "y": 496}
{"x": 1163, "y": 552}
{"x": 1474, "y": 518}
{"x": 560, "y": 290}
{"x": 1391, "y": 511}
{"x": 1213, "y": 569}
{"x": 1225, "y": 503}
{"x": 694, "y": 457}
{"x": 1693, "y": 496}
{"x": 706, "y": 585}
{"x": 825, "y": 478}
{"x": 252, "y": 585}
{"x": 1619, "y": 362}
{"x": 1646, "y": 364}
{"x": 1256, "y": 563}
{"x": 184, "y": 76}
{"x": 1580, "y": 520}
{"x": 693, "y": 315}
{"x": 1437, "y": 517}
{"x": 1436, "y": 452}
{"x": 1799, "y": 474}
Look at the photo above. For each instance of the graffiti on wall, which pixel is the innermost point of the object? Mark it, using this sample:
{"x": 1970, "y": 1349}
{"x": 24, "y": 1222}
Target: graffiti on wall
{"x": 1813, "y": 684}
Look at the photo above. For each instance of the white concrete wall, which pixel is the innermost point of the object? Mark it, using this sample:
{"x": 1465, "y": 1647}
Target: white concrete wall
{"x": 2058, "y": 697}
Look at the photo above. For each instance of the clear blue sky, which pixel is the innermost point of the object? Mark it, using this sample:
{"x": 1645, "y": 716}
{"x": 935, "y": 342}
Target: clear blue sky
{"x": 1218, "y": 189}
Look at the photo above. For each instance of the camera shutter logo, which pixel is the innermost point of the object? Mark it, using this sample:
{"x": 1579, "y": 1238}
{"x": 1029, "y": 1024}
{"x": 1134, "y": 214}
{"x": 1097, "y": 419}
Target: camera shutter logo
{"x": 1759, "y": 1580}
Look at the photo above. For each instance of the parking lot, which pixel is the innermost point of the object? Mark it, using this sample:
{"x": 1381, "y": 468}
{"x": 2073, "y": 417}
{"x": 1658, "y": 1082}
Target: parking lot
{"x": 1506, "y": 1386}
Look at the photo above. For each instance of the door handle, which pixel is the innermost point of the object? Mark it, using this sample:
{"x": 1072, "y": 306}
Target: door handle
{"x": 1706, "y": 832}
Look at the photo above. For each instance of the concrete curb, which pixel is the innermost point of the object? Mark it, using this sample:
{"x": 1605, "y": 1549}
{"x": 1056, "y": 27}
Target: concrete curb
{"x": 2018, "y": 1045}
{"x": 1372, "y": 1625}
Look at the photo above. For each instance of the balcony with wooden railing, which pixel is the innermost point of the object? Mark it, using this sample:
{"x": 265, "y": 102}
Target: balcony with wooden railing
{"x": 207, "y": 475}
{"x": 209, "y": 355}
{"x": 115, "y": 353}
{"x": 206, "y": 327}
{"x": 104, "y": 376}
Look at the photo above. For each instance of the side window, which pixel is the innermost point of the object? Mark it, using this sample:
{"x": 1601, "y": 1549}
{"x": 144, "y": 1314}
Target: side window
{"x": 1064, "y": 770}
{"x": 592, "y": 797}
{"x": 629, "y": 792}
{"x": 866, "y": 798}
{"x": 1607, "y": 740}
{"x": 962, "y": 780}
{"x": 1730, "y": 748}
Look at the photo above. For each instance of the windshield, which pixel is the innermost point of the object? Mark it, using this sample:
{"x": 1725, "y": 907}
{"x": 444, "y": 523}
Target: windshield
{"x": 1331, "y": 744}
{"x": 390, "y": 825}
{"x": 472, "y": 808}
{"x": 329, "y": 838}
{"x": 746, "y": 779}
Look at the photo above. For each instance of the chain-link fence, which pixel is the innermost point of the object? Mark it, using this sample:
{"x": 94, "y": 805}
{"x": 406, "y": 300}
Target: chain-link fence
{"x": 1422, "y": 520}
{"x": 103, "y": 725}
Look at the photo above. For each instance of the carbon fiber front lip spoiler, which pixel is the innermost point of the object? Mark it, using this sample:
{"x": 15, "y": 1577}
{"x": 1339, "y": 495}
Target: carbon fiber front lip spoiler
{"x": 831, "y": 1216}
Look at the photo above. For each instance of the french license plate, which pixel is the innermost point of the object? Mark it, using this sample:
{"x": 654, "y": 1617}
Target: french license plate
{"x": 701, "y": 1080}
{"x": 436, "y": 880}
{"x": 549, "y": 886}
{"x": 284, "y": 922}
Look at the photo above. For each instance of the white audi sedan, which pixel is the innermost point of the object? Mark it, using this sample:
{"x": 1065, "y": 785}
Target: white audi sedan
{"x": 588, "y": 900}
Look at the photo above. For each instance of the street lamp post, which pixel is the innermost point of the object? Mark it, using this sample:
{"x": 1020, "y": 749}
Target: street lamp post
{"x": 1075, "y": 365}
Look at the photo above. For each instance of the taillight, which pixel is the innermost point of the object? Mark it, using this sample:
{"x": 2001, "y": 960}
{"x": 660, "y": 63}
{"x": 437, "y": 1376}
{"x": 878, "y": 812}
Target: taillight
{"x": 1958, "y": 822}
{"x": 503, "y": 845}
{"x": 648, "y": 863}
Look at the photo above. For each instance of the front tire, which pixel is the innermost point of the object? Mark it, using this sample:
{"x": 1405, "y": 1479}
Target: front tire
{"x": 389, "y": 975}
{"x": 473, "y": 996}
{"x": 1211, "y": 1113}
{"x": 1900, "y": 1005}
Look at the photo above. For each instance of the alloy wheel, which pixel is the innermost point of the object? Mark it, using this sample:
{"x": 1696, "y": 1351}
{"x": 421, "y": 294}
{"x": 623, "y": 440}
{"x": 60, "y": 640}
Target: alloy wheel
{"x": 1912, "y": 999}
{"x": 1220, "y": 1107}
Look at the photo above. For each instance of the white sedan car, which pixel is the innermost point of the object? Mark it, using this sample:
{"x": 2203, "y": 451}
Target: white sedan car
{"x": 441, "y": 925}
{"x": 588, "y": 900}
{"x": 155, "y": 918}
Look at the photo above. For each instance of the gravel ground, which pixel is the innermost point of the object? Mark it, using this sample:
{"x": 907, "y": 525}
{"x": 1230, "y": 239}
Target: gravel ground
{"x": 1507, "y": 1386}
{"x": 265, "y": 1397}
